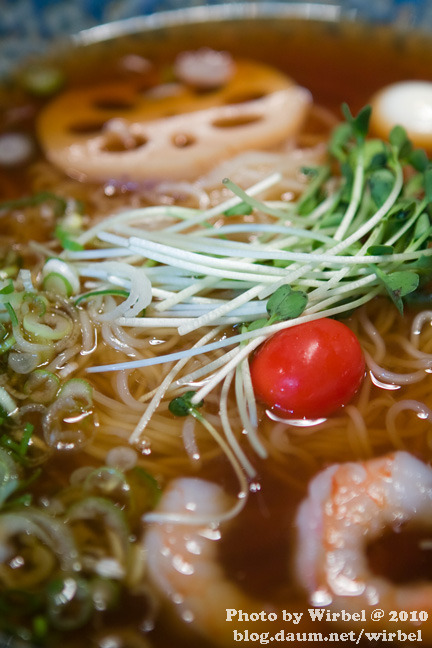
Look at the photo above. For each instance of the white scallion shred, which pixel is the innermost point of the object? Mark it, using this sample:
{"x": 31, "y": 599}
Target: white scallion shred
{"x": 26, "y": 279}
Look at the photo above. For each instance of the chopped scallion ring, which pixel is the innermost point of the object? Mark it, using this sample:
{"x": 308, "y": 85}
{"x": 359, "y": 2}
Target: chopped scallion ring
{"x": 7, "y": 404}
{"x": 60, "y": 277}
{"x": 115, "y": 292}
{"x": 78, "y": 389}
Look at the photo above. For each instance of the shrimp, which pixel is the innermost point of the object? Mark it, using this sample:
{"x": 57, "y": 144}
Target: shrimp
{"x": 348, "y": 506}
{"x": 183, "y": 562}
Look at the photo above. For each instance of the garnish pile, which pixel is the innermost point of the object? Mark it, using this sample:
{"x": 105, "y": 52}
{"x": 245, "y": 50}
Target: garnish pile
{"x": 361, "y": 228}
{"x": 225, "y": 278}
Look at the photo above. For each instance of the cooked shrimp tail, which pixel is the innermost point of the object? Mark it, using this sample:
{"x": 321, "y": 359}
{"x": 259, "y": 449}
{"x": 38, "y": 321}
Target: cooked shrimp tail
{"x": 348, "y": 507}
{"x": 184, "y": 565}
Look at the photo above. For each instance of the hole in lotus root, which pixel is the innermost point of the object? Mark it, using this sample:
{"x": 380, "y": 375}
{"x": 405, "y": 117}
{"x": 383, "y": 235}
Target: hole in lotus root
{"x": 86, "y": 128}
{"x": 237, "y": 120}
{"x": 116, "y": 143}
{"x": 244, "y": 97}
{"x": 112, "y": 104}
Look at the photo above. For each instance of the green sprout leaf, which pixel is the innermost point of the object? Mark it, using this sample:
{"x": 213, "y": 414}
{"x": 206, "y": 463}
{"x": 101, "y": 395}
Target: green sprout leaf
{"x": 402, "y": 209}
{"x": 376, "y": 155}
{"x": 381, "y": 183}
{"x": 398, "y": 284}
{"x": 419, "y": 160}
{"x": 423, "y": 266}
{"x": 360, "y": 123}
{"x": 257, "y": 324}
{"x": 379, "y": 250}
{"x": 422, "y": 227}
{"x": 399, "y": 140}
{"x": 183, "y": 406}
{"x": 339, "y": 140}
{"x": 428, "y": 183}
{"x": 286, "y": 303}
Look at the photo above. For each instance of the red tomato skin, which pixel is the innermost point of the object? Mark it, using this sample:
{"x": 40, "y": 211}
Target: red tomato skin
{"x": 310, "y": 370}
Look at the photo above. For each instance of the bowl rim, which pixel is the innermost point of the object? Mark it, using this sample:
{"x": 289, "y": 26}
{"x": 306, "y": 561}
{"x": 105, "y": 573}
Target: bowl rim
{"x": 332, "y": 12}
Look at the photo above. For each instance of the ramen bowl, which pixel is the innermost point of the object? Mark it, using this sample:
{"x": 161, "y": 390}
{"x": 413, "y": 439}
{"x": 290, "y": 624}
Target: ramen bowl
{"x": 215, "y": 325}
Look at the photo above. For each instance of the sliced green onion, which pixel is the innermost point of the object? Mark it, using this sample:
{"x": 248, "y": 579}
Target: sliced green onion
{"x": 58, "y": 284}
{"x": 7, "y": 288}
{"x": 14, "y": 299}
{"x": 59, "y": 268}
{"x": 25, "y": 439}
{"x": 7, "y": 403}
{"x": 40, "y": 627}
{"x": 107, "y": 482}
{"x": 66, "y": 240}
{"x": 143, "y": 480}
{"x": 20, "y": 448}
{"x": 42, "y": 386}
{"x": 52, "y": 533}
{"x": 9, "y": 475}
{"x": 115, "y": 292}
{"x": 7, "y": 344}
{"x": 37, "y": 199}
{"x": 69, "y": 603}
{"x": 40, "y": 302}
{"x": 97, "y": 507}
{"x": 78, "y": 389}
{"x": 12, "y": 314}
{"x": 23, "y": 362}
{"x": 62, "y": 326}
{"x": 68, "y": 424}
{"x": 42, "y": 80}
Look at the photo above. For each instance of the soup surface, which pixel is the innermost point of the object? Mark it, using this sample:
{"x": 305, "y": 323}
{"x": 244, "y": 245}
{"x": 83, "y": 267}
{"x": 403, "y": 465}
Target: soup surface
{"x": 92, "y": 278}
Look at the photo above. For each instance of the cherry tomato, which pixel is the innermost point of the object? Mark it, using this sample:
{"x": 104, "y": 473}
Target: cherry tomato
{"x": 309, "y": 370}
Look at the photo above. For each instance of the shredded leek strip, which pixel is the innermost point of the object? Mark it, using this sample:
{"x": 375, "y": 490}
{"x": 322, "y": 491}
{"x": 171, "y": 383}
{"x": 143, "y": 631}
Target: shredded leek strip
{"x": 205, "y": 216}
{"x": 229, "y": 434}
{"x": 235, "y": 509}
{"x": 207, "y": 369}
{"x": 355, "y": 199}
{"x": 25, "y": 277}
{"x": 207, "y": 241}
{"x": 186, "y": 293}
{"x": 189, "y": 260}
{"x": 247, "y": 407}
{"x": 136, "y": 214}
{"x": 161, "y": 390}
{"x": 103, "y": 253}
{"x": 207, "y": 318}
{"x": 235, "y": 339}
